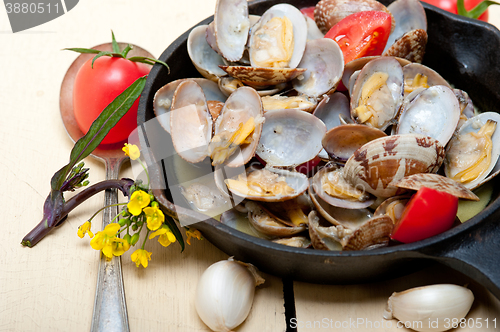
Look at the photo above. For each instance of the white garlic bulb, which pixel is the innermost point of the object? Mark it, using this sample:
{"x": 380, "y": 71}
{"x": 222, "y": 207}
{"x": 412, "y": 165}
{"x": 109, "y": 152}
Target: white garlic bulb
{"x": 224, "y": 294}
{"x": 430, "y": 308}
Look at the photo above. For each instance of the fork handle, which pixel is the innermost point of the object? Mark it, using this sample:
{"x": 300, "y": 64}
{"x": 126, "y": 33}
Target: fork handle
{"x": 110, "y": 309}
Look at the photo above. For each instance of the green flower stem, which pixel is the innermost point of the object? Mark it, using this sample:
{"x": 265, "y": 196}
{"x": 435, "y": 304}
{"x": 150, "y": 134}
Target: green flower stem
{"x": 107, "y": 206}
{"x": 56, "y": 209}
{"x": 145, "y": 170}
{"x": 146, "y": 238}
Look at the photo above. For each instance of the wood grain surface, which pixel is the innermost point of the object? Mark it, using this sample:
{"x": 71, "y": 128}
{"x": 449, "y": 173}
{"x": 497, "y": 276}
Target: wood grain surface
{"x": 51, "y": 287}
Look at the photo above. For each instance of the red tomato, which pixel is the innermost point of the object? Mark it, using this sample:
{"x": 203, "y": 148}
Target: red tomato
{"x": 361, "y": 34}
{"x": 308, "y": 11}
{"x": 96, "y": 87}
{"x": 429, "y": 212}
{"x": 451, "y": 6}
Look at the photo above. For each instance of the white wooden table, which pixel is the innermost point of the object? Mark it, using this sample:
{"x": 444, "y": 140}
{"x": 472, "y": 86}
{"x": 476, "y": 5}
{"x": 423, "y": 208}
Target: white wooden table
{"x": 51, "y": 287}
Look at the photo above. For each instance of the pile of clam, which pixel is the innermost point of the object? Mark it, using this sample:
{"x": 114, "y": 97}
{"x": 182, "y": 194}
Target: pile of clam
{"x": 296, "y": 161}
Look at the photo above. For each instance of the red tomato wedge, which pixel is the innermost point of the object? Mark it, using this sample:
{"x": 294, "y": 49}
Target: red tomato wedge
{"x": 361, "y": 34}
{"x": 429, "y": 212}
{"x": 308, "y": 11}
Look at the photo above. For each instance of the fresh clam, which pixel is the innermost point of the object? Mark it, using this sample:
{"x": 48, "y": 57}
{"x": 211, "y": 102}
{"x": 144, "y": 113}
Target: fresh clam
{"x": 238, "y": 127}
{"x": 474, "y": 151}
{"x": 231, "y": 27}
{"x": 324, "y": 62}
{"x": 268, "y": 184}
{"x": 378, "y": 93}
{"x": 190, "y": 122}
{"x": 204, "y": 58}
{"x": 330, "y": 185}
{"x": 409, "y": 15}
{"x": 438, "y": 103}
{"x": 163, "y": 98}
{"x": 278, "y": 39}
{"x": 379, "y": 163}
{"x": 290, "y": 137}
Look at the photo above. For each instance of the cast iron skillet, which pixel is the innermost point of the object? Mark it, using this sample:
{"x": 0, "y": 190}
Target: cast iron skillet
{"x": 464, "y": 51}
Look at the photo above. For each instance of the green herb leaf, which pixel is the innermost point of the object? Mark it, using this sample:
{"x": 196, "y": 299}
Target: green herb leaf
{"x": 82, "y": 50}
{"x": 476, "y": 11}
{"x": 108, "y": 118}
{"x": 116, "y": 48}
{"x": 175, "y": 230}
{"x": 149, "y": 61}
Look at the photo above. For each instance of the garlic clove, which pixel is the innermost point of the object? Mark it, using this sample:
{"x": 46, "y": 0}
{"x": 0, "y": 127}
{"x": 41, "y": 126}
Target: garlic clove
{"x": 225, "y": 293}
{"x": 430, "y": 308}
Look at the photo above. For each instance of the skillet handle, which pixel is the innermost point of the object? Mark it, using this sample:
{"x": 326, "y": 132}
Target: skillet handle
{"x": 475, "y": 254}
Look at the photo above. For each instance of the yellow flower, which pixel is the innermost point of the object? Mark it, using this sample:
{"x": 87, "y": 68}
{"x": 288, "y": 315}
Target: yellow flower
{"x": 192, "y": 233}
{"x": 132, "y": 151}
{"x": 154, "y": 217}
{"x": 166, "y": 237}
{"x": 141, "y": 257}
{"x": 138, "y": 201}
{"x": 106, "y": 239}
{"x": 84, "y": 229}
{"x": 120, "y": 246}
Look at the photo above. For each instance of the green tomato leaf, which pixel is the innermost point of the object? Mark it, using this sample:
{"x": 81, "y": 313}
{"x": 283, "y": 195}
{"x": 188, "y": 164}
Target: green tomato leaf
{"x": 105, "y": 53}
{"x": 126, "y": 50}
{"x": 82, "y": 50}
{"x": 149, "y": 61}
{"x": 108, "y": 118}
{"x": 476, "y": 11}
{"x": 116, "y": 48}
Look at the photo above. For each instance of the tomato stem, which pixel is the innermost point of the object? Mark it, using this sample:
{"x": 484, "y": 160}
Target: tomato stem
{"x": 476, "y": 11}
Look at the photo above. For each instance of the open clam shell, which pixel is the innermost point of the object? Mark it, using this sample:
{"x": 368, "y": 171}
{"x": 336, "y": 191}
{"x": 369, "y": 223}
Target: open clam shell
{"x": 290, "y": 137}
{"x": 379, "y": 163}
{"x": 357, "y": 64}
{"x": 262, "y": 77}
{"x": 297, "y": 181}
{"x": 333, "y": 110}
{"x": 341, "y": 141}
{"x": 437, "y": 182}
{"x": 324, "y": 62}
{"x": 204, "y": 58}
{"x": 392, "y": 207}
{"x": 231, "y": 28}
{"x": 190, "y": 122}
{"x": 432, "y": 78}
{"x": 162, "y": 101}
{"x": 347, "y": 218}
{"x": 263, "y": 43}
{"x": 334, "y": 173}
{"x": 434, "y": 112}
{"x": 266, "y": 224}
{"x": 277, "y": 102}
{"x": 409, "y": 15}
{"x": 378, "y": 93}
{"x": 374, "y": 233}
{"x": 295, "y": 241}
{"x": 410, "y": 46}
{"x": 239, "y": 220}
{"x": 465, "y": 149}
{"x": 242, "y": 104}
